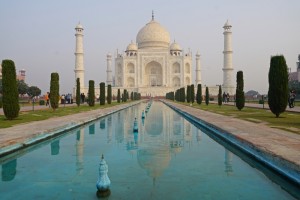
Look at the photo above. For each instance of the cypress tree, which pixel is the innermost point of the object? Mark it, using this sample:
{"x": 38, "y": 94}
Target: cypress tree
{"x": 54, "y": 90}
{"x": 240, "y": 96}
{"x": 10, "y": 99}
{"x": 119, "y": 96}
{"x": 125, "y": 95}
{"x": 183, "y": 94}
{"x": 91, "y": 93}
{"x": 206, "y": 96}
{"x": 102, "y": 93}
{"x": 78, "y": 92}
{"x": 192, "y": 93}
{"x": 199, "y": 94}
{"x": 278, "y": 85}
{"x": 109, "y": 96}
{"x": 188, "y": 94}
{"x": 131, "y": 96}
{"x": 220, "y": 96}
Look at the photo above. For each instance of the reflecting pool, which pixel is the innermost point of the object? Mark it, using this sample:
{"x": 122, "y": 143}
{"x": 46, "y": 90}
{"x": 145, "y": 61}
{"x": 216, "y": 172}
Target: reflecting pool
{"x": 168, "y": 158}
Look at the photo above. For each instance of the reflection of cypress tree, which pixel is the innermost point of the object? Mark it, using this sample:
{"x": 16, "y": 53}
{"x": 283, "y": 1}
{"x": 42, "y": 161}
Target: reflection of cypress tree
{"x": 102, "y": 124}
{"x": 55, "y": 147}
{"x": 92, "y": 129}
{"x": 9, "y": 170}
{"x": 78, "y": 135}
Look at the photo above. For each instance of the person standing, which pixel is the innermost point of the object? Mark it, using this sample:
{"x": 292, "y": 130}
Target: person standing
{"x": 47, "y": 96}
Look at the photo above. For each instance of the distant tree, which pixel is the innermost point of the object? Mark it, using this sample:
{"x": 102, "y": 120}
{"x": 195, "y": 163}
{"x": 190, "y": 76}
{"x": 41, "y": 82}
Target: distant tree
{"x": 199, "y": 94}
{"x": 125, "y": 95}
{"x": 34, "y": 91}
{"x": 22, "y": 87}
{"x": 188, "y": 93}
{"x": 278, "y": 85}
{"x": 78, "y": 99}
{"x": 206, "y": 96}
{"x": 240, "y": 96}
{"x": 220, "y": 96}
{"x": 102, "y": 93}
{"x": 119, "y": 96}
{"x": 192, "y": 93}
{"x": 182, "y": 94}
{"x": 131, "y": 96}
{"x": 1, "y": 88}
{"x": 54, "y": 90}
{"x": 10, "y": 99}
{"x": 91, "y": 93}
{"x": 109, "y": 96}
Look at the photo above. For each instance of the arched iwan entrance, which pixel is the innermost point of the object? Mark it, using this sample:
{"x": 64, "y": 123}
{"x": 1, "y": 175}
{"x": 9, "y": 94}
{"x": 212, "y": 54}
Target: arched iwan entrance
{"x": 153, "y": 74}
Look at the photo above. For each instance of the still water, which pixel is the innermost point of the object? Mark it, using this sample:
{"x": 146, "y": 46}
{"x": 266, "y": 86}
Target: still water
{"x": 169, "y": 158}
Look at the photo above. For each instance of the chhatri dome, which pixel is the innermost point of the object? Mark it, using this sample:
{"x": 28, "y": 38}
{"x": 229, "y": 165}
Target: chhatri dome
{"x": 131, "y": 47}
{"x": 153, "y": 35}
{"x": 175, "y": 47}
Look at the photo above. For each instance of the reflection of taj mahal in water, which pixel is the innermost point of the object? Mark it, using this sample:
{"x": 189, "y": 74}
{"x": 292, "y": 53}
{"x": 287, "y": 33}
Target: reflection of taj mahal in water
{"x": 155, "y": 143}
{"x": 154, "y": 146}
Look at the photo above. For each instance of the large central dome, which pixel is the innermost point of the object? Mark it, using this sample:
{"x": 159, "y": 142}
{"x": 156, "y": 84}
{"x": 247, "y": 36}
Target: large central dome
{"x": 153, "y": 35}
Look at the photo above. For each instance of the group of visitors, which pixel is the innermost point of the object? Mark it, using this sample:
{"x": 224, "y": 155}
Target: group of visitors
{"x": 226, "y": 97}
{"x": 66, "y": 99}
{"x": 291, "y": 98}
{"x": 82, "y": 97}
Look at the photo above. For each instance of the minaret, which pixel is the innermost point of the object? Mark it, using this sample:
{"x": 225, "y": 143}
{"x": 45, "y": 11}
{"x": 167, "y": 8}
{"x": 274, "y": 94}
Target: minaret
{"x": 108, "y": 70}
{"x": 198, "y": 69}
{"x": 79, "y": 67}
{"x": 228, "y": 81}
{"x": 298, "y": 68}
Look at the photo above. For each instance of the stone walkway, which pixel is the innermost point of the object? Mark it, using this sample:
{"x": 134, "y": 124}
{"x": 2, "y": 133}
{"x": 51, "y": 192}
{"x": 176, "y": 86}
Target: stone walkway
{"x": 276, "y": 145}
{"x": 265, "y": 106}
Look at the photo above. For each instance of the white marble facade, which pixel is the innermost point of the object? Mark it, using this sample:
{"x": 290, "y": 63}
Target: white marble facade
{"x": 153, "y": 65}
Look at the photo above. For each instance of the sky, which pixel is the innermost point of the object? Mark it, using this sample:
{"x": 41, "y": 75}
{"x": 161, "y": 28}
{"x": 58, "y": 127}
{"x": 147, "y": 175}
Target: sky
{"x": 39, "y": 36}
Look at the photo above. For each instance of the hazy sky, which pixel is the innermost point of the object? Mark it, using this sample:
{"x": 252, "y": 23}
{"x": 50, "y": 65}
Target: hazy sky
{"x": 39, "y": 35}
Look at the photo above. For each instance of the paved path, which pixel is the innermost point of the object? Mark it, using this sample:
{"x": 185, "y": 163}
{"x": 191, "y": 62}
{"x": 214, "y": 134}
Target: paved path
{"x": 265, "y": 106}
{"x": 277, "y": 145}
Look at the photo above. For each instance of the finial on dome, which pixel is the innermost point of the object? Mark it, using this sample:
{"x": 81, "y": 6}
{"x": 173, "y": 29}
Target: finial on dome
{"x": 152, "y": 15}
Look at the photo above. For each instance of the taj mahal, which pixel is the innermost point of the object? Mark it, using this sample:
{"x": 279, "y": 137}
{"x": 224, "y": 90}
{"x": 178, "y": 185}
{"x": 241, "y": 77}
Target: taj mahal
{"x": 153, "y": 65}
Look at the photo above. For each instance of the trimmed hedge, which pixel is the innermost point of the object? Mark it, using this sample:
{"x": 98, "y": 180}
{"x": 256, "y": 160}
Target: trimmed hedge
{"x": 54, "y": 90}
{"x": 91, "y": 93}
{"x": 278, "y": 85}
{"x": 10, "y": 97}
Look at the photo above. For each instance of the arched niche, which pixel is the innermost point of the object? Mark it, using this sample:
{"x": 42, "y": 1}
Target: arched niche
{"x": 130, "y": 68}
{"x": 153, "y": 74}
{"x": 176, "y": 68}
{"x": 187, "y": 80}
{"x": 187, "y": 68}
{"x": 176, "y": 81}
{"x": 130, "y": 82}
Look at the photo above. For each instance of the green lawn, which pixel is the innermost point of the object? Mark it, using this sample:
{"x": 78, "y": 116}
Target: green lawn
{"x": 289, "y": 121}
{"x": 29, "y": 116}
